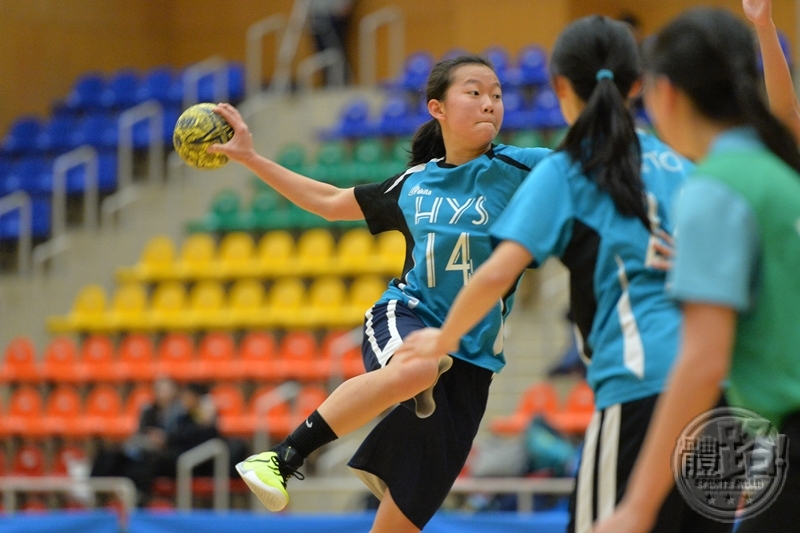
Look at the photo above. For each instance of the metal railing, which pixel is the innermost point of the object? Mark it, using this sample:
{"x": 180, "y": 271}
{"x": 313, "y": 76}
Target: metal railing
{"x": 122, "y": 486}
{"x": 85, "y": 156}
{"x": 392, "y": 17}
{"x": 327, "y": 58}
{"x": 214, "y": 65}
{"x": 153, "y": 112}
{"x": 288, "y": 48}
{"x": 255, "y": 48}
{"x": 9, "y": 203}
{"x": 215, "y": 449}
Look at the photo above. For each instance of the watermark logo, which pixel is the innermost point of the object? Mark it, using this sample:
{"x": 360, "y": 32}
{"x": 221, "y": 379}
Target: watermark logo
{"x": 730, "y": 463}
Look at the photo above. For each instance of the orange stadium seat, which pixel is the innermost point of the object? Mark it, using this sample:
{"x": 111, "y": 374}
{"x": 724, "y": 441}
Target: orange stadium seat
{"x": 60, "y": 363}
{"x": 136, "y": 358}
{"x": 299, "y": 356}
{"x": 236, "y": 256}
{"x": 326, "y": 303}
{"x": 198, "y": 256}
{"x": 275, "y": 255}
{"x": 98, "y": 359}
{"x": 176, "y": 357}
{"x": 391, "y": 252}
{"x": 64, "y": 456}
{"x": 25, "y": 411}
{"x": 356, "y": 253}
{"x": 229, "y": 400}
{"x": 577, "y": 411}
{"x": 128, "y": 308}
{"x": 245, "y": 304}
{"x": 277, "y": 420}
{"x": 88, "y": 312}
{"x": 344, "y": 354}
{"x": 540, "y": 398}
{"x": 315, "y": 249}
{"x": 257, "y": 353}
{"x": 63, "y": 412}
{"x": 287, "y": 304}
{"x": 140, "y": 396}
{"x": 157, "y": 262}
{"x": 20, "y": 364}
{"x": 168, "y": 306}
{"x": 217, "y": 358}
{"x": 308, "y": 399}
{"x": 29, "y": 461}
{"x": 104, "y": 415}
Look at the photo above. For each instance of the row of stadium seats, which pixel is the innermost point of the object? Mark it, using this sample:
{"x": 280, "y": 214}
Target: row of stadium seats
{"x": 327, "y": 304}
{"x": 258, "y": 356}
{"x": 103, "y": 413}
{"x": 277, "y": 254}
{"x": 570, "y": 417}
{"x": 30, "y": 460}
{"x": 401, "y": 115}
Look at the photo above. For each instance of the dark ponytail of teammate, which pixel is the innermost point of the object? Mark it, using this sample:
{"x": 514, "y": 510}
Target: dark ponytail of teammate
{"x": 428, "y": 142}
{"x": 711, "y": 56}
{"x": 600, "y": 58}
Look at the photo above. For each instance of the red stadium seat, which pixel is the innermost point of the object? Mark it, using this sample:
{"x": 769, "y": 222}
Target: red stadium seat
{"x": 104, "y": 415}
{"x": 278, "y": 420}
{"x": 63, "y": 412}
{"x": 98, "y": 359}
{"x": 217, "y": 358}
{"x": 176, "y": 357}
{"x": 140, "y": 396}
{"x": 60, "y": 362}
{"x": 300, "y": 359}
{"x": 344, "y": 364}
{"x": 20, "y": 365}
{"x": 308, "y": 399}
{"x": 64, "y": 456}
{"x": 28, "y": 461}
{"x": 136, "y": 358}
{"x": 257, "y": 353}
{"x": 25, "y": 411}
{"x": 229, "y": 400}
{"x": 541, "y": 398}
{"x": 577, "y": 412}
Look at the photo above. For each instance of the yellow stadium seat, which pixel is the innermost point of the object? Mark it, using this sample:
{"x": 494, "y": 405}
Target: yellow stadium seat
{"x": 168, "y": 306}
{"x": 87, "y": 314}
{"x": 327, "y": 297}
{"x": 276, "y": 254}
{"x": 206, "y": 304}
{"x": 364, "y": 292}
{"x": 356, "y": 253}
{"x": 286, "y": 304}
{"x": 128, "y": 308}
{"x": 156, "y": 263}
{"x": 236, "y": 256}
{"x": 315, "y": 253}
{"x": 245, "y": 304}
{"x": 198, "y": 256}
{"x": 391, "y": 252}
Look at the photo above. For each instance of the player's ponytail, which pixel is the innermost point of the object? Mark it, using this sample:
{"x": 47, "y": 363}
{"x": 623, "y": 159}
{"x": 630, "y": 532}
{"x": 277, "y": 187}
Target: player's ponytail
{"x": 600, "y": 59}
{"x": 428, "y": 142}
{"x": 710, "y": 55}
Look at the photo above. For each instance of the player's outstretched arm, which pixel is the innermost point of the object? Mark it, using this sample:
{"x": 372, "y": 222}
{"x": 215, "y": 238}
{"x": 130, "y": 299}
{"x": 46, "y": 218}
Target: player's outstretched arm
{"x": 323, "y": 199}
{"x": 485, "y": 289}
{"x": 780, "y": 88}
{"x": 704, "y": 360}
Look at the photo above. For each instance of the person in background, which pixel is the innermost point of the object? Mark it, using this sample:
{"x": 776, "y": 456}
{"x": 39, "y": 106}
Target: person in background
{"x": 329, "y": 21}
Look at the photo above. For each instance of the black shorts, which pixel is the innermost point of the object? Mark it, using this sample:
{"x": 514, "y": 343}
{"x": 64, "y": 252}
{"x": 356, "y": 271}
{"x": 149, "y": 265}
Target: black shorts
{"x": 782, "y": 514}
{"x": 611, "y": 446}
{"x": 419, "y": 459}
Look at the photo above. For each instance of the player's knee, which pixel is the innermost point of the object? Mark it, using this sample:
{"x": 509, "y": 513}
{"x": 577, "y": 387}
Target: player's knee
{"x": 415, "y": 375}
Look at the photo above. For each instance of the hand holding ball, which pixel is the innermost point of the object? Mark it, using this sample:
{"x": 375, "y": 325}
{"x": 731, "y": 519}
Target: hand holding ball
{"x": 198, "y": 128}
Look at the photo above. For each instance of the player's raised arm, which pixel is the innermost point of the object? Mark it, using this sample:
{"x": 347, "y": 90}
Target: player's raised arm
{"x": 323, "y": 199}
{"x": 780, "y": 88}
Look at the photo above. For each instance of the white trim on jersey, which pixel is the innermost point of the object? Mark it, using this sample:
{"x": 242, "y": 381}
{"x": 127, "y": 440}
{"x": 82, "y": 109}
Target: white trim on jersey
{"x": 632, "y": 347}
{"x": 606, "y": 434}
{"x": 415, "y": 168}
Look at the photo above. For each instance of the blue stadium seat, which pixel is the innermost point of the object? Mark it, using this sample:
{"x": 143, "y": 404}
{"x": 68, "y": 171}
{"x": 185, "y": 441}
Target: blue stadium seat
{"x": 155, "y": 85}
{"x": 517, "y": 114}
{"x": 415, "y": 73}
{"x": 86, "y": 93}
{"x": 454, "y": 53}
{"x": 501, "y": 61}
{"x": 353, "y": 122}
{"x": 532, "y": 65}
{"x": 29, "y": 174}
{"x": 141, "y": 130}
{"x": 10, "y": 223}
{"x": 98, "y": 130}
{"x": 55, "y": 135}
{"x": 21, "y": 137}
{"x": 107, "y": 174}
{"x": 235, "y": 76}
{"x": 121, "y": 91}
{"x": 546, "y": 111}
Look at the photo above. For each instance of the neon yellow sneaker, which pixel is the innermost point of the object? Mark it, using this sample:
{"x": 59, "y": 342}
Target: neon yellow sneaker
{"x": 266, "y": 474}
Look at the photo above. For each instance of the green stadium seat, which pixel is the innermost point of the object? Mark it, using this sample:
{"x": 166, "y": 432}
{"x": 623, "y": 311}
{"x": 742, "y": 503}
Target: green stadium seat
{"x": 332, "y": 164}
{"x": 526, "y": 139}
{"x": 368, "y": 160}
{"x": 223, "y": 215}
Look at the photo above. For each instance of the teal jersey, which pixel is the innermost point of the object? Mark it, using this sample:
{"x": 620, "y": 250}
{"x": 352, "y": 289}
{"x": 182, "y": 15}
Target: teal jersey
{"x": 628, "y": 327}
{"x": 445, "y": 212}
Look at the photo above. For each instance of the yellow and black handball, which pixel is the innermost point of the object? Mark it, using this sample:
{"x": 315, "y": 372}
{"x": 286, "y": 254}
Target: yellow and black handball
{"x": 197, "y": 128}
